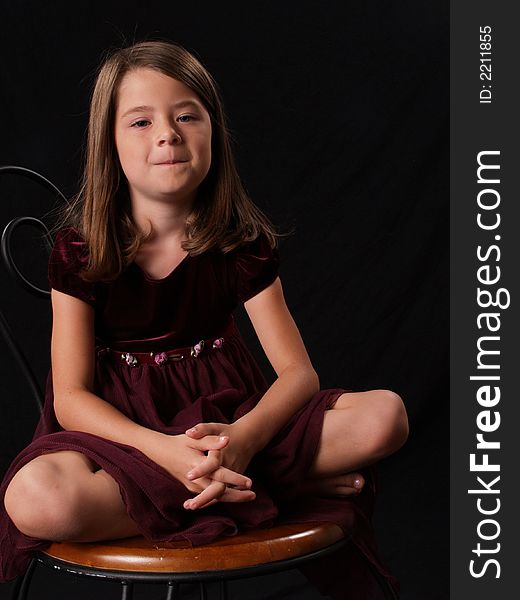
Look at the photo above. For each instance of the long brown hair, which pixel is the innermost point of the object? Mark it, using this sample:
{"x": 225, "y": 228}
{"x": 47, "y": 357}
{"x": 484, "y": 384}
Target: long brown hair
{"x": 223, "y": 215}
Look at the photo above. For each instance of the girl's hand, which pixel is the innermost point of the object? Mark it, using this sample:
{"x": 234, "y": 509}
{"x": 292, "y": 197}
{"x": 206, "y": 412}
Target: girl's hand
{"x": 236, "y": 455}
{"x": 179, "y": 454}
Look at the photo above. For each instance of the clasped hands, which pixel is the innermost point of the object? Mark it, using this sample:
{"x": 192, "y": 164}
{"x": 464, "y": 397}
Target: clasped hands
{"x": 210, "y": 459}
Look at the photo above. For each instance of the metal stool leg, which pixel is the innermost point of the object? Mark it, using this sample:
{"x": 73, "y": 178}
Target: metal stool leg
{"x": 223, "y": 589}
{"x": 202, "y": 588}
{"x": 16, "y": 588}
{"x": 21, "y": 588}
{"x": 173, "y": 591}
{"x": 127, "y": 592}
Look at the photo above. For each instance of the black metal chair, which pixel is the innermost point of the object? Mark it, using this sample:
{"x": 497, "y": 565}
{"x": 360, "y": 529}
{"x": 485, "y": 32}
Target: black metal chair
{"x": 136, "y": 560}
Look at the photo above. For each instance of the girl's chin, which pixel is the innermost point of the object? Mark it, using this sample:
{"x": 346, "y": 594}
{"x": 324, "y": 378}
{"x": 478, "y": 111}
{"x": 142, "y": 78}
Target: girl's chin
{"x": 168, "y": 193}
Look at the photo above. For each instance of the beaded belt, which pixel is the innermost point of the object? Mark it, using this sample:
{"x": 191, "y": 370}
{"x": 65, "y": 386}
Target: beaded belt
{"x": 161, "y": 358}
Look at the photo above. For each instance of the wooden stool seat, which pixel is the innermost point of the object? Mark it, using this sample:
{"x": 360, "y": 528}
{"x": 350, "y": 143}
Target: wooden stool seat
{"x": 258, "y": 547}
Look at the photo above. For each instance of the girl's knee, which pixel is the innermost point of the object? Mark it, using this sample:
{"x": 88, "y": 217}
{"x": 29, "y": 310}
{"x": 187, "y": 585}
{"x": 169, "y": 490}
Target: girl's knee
{"x": 391, "y": 430}
{"x": 42, "y": 501}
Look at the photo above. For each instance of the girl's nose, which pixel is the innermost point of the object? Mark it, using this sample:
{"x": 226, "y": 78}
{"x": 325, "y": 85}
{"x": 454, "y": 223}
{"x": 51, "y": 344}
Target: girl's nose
{"x": 169, "y": 136}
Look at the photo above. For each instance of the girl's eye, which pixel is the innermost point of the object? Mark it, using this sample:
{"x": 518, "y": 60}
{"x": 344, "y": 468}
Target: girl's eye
{"x": 188, "y": 117}
{"x": 139, "y": 124}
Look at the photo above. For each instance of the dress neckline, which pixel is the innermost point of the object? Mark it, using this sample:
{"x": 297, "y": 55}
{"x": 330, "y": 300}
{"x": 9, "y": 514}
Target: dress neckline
{"x": 151, "y": 279}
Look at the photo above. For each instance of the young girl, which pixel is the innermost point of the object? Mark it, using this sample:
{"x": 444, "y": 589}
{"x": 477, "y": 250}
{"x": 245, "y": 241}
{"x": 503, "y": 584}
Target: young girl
{"x": 157, "y": 419}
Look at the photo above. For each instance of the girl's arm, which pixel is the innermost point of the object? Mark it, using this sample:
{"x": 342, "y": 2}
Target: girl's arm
{"x": 295, "y": 385}
{"x": 78, "y": 408}
{"x": 297, "y": 380}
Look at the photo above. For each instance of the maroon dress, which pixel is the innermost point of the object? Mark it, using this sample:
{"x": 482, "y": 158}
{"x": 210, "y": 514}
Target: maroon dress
{"x": 218, "y": 381}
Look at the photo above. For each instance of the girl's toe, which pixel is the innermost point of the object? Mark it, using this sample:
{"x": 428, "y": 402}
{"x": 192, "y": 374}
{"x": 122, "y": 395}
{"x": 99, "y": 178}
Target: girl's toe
{"x": 354, "y": 481}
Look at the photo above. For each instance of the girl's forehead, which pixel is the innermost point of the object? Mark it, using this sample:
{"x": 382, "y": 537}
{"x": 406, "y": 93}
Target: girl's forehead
{"x": 145, "y": 86}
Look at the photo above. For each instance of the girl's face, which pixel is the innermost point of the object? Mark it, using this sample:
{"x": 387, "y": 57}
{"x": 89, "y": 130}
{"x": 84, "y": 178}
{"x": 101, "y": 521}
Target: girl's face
{"x": 163, "y": 137}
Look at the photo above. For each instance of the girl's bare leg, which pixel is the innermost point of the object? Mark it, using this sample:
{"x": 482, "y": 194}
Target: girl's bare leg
{"x": 60, "y": 496}
{"x": 361, "y": 428}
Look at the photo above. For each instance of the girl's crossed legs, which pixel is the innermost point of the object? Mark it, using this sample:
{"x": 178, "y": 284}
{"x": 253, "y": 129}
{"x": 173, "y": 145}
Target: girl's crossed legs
{"x": 359, "y": 430}
{"x": 61, "y": 496}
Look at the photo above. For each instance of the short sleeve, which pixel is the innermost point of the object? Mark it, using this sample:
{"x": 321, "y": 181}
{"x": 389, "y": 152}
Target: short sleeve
{"x": 68, "y": 257}
{"x": 255, "y": 266}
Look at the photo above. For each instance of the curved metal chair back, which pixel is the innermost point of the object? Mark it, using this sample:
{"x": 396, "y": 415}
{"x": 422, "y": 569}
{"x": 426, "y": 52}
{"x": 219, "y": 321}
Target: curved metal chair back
{"x": 6, "y": 250}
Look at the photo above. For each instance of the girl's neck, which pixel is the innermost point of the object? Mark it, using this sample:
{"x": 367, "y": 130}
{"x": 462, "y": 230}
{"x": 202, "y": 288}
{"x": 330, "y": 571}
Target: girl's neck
{"x": 168, "y": 222}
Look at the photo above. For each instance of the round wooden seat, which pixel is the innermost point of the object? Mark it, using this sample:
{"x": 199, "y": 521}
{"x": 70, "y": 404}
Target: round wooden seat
{"x": 249, "y": 549}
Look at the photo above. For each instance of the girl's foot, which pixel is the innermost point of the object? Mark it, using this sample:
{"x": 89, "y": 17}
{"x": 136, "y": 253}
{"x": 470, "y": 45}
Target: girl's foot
{"x": 338, "y": 486}
{"x": 349, "y": 484}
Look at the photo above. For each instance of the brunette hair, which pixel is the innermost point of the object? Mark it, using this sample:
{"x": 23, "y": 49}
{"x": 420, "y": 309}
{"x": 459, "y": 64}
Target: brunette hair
{"x": 223, "y": 214}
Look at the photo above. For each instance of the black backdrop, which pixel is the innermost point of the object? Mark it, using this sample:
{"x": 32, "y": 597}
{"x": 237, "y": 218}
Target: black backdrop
{"x": 340, "y": 115}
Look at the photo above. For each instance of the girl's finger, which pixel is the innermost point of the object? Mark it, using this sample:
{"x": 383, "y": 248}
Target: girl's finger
{"x": 213, "y": 492}
{"x": 202, "y": 429}
{"x": 233, "y": 478}
{"x": 210, "y": 464}
{"x": 231, "y": 495}
{"x": 196, "y": 486}
{"x": 210, "y": 442}
{"x": 214, "y": 501}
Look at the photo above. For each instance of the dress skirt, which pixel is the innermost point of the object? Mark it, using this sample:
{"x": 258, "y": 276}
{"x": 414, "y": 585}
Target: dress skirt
{"x": 221, "y": 384}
